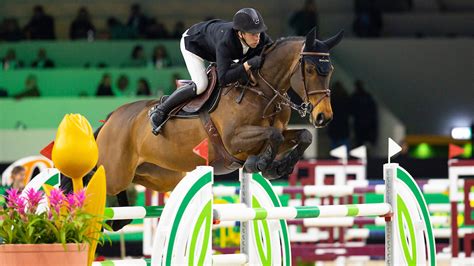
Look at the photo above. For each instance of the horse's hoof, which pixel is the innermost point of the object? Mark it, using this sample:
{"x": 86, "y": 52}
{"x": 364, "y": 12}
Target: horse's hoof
{"x": 285, "y": 169}
{"x": 118, "y": 224}
{"x": 250, "y": 165}
{"x": 270, "y": 176}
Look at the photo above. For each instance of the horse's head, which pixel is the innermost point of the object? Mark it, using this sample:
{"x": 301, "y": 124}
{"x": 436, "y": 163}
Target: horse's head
{"x": 311, "y": 76}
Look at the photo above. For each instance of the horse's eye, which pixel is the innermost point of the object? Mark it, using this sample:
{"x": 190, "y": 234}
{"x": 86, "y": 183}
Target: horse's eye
{"x": 310, "y": 69}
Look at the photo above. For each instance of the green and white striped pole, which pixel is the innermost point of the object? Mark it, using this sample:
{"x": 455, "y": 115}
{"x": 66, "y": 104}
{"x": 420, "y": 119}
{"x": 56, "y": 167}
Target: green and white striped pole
{"x": 135, "y": 212}
{"x": 239, "y": 212}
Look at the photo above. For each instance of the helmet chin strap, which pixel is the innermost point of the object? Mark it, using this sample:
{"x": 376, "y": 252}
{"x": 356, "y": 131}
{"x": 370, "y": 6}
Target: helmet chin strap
{"x": 240, "y": 34}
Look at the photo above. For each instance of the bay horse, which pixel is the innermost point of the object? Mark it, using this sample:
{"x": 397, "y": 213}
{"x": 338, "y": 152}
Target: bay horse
{"x": 250, "y": 120}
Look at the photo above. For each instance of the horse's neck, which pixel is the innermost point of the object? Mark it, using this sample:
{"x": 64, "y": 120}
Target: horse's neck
{"x": 280, "y": 64}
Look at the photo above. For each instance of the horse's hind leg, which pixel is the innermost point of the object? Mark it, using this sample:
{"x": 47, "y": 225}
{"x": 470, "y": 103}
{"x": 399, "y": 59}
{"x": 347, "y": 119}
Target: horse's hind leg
{"x": 249, "y": 137}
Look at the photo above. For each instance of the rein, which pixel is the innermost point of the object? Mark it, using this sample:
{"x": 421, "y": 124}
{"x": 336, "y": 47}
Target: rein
{"x": 304, "y": 108}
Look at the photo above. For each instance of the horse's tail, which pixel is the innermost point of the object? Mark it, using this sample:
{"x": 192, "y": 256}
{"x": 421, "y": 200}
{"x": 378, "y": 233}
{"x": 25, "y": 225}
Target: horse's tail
{"x": 96, "y": 132}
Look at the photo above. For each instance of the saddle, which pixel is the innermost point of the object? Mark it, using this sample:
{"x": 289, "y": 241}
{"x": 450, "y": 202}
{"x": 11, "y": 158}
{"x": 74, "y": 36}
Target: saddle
{"x": 201, "y": 106}
{"x": 193, "y": 106}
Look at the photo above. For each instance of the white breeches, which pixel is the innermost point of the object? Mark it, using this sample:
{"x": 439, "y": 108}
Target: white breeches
{"x": 196, "y": 67}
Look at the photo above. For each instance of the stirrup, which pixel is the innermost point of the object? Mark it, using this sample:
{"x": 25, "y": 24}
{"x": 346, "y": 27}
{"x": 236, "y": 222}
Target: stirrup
{"x": 156, "y": 130}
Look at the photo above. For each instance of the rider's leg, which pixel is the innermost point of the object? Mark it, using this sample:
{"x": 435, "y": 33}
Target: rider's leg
{"x": 197, "y": 71}
{"x": 179, "y": 96}
{"x": 196, "y": 67}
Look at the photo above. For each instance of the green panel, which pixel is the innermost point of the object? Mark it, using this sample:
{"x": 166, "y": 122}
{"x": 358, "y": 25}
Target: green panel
{"x": 48, "y": 112}
{"x": 84, "y": 82}
{"x": 79, "y": 53}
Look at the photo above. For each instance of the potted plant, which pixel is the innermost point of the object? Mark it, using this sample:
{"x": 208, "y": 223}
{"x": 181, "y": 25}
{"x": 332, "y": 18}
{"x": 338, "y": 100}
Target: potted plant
{"x": 68, "y": 232}
{"x": 59, "y": 234}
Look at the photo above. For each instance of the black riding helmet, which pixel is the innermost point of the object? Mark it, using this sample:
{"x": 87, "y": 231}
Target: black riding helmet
{"x": 249, "y": 20}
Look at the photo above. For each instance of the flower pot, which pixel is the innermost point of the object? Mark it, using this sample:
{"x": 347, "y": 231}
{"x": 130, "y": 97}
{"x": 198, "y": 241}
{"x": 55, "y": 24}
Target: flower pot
{"x": 43, "y": 254}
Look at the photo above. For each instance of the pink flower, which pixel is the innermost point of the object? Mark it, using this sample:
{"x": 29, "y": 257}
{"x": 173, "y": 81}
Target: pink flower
{"x": 12, "y": 197}
{"x": 33, "y": 197}
{"x": 71, "y": 202}
{"x": 80, "y": 198}
{"x": 56, "y": 199}
{"x": 15, "y": 202}
{"x": 21, "y": 204}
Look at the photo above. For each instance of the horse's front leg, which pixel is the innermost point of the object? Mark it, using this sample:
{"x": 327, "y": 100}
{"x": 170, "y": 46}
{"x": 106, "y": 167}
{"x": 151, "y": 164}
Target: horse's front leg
{"x": 296, "y": 142}
{"x": 250, "y": 139}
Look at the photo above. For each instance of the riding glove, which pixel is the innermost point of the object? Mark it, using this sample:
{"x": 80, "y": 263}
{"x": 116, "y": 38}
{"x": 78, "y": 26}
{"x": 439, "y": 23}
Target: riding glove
{"x": 255, "y": 62}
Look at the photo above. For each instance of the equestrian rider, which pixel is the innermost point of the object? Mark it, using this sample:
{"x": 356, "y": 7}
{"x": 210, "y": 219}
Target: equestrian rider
{"x": 225, "y": 43}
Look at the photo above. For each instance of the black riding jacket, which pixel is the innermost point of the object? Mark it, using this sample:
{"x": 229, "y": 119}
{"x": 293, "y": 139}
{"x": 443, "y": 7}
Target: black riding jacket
{"x": 216, "y": 41}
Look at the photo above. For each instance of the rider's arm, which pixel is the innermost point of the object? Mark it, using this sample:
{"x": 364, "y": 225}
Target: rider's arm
{"x": 227, "y": 70}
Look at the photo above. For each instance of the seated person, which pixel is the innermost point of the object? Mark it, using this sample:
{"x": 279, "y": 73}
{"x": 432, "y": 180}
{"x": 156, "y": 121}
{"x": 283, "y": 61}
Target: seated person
{"x": 82, "y": 27}
{"x": 18, "y": 177}
{"x": 143, "y": 87}
{"x": 105, "y": 86}
{"x": 10, "y": 61}
{"x": 31, "y": 88}
{"x": 137, "y": 58}
{"x": 42, "y": 61}
{"x": 160, "y": 57}
{"x": 122, "y": 87}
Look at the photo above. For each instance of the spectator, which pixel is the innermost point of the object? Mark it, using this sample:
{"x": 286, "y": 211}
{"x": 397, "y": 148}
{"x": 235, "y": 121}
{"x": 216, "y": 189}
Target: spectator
{"x": 143, "y": 87}
{"x": 368, "y": 19}
{"x": 10, "y": 61}
{"x": 122, "y": 86}
{"x": 137, "y": 57}
{"x": 10, "y": 30}
{"x": 338, "y": 129}
{"x": 119, "y": 31}
{"x": 178, "y": 30}
{"x": 105, "y": 86}
{"x": 156, "y": 30}
{"x": 42, "y": 61}
{"x": 82, "y": 27}
{"x": 364, "y": 110}
{"x": 41, "y": 25}
{"x": 31, "y": 88}
{"x": 17, "y": 177}
{"x": 305, "y": 19}
{"x": 160, "y": 57}
{"x": 137, "y": 21}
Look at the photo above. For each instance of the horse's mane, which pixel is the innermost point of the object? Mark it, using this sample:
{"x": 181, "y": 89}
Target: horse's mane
{"x": 279, "y": 42}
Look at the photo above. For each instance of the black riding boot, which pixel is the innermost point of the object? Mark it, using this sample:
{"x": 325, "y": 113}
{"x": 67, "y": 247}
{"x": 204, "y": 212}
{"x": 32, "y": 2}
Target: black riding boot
{"x": 159, "y": 114}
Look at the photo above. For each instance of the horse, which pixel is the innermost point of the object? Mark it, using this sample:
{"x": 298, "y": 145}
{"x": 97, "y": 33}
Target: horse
{"x": 249, "y": 123}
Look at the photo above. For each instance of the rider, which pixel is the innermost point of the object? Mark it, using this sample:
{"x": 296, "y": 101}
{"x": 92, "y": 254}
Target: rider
{"x": 241, "y": 40}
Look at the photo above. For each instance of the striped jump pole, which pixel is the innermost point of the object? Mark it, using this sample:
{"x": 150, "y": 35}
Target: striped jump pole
{"x": 234, "y": 212}
{"x": 133, "y": 212}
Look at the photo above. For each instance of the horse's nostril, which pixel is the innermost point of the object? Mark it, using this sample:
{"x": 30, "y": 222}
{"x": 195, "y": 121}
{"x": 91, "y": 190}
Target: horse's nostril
{"x": 320, "y": 119}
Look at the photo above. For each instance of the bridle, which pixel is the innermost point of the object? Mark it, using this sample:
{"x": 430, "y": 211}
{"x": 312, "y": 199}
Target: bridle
{"x": 304, "y": 108}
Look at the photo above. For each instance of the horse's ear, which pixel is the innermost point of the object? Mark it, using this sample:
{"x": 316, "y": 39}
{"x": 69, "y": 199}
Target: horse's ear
{"x": 334, "y": 40}
{"x": 311, "y": 36}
